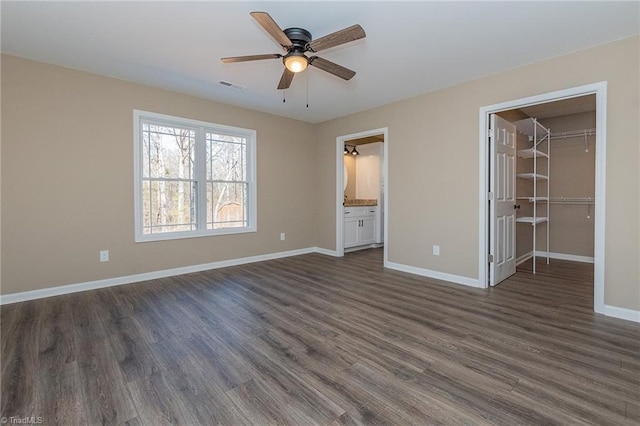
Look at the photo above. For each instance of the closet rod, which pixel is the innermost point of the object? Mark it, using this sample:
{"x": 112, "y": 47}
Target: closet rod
{"x": 574, "y": 134}
{"x": 572, "y": 200}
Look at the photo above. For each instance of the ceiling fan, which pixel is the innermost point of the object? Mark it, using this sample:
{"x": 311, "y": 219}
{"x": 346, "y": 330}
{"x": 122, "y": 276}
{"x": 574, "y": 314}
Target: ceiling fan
{"x": 296, "y": 42}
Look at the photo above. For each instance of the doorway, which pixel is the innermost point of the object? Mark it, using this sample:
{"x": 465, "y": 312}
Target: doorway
{"x": 487, "y": 165}
{"x": 348, "y": 143}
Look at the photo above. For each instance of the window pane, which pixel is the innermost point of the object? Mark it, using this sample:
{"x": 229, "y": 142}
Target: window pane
{"x": 168, "y": 206}
{"x": 147, "y": 212}
{"x": 226, "y": 157}
{"x": 145, "y": 151}
{"x": 168, "y": 152}
{"x": 226, "y": 205}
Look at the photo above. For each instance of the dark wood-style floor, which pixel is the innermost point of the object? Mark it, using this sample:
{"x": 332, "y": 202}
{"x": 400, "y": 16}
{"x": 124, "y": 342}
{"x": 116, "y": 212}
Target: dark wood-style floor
{"x": 319, "y": 340}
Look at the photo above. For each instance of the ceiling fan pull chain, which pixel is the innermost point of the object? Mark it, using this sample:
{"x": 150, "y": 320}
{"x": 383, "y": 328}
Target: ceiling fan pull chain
{"x": 284, "y": 96}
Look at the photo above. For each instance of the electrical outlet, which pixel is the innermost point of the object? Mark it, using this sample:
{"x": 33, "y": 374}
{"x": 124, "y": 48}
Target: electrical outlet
{"x": 436, "y": 250}
{"x": 104, "y": 255}
{"x": 282, "y": 236}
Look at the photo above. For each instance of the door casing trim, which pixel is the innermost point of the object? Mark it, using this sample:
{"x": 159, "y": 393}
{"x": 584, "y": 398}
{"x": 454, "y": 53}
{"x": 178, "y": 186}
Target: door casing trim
{"x": 600, "y": 90}
{"x": 340, "y": 141}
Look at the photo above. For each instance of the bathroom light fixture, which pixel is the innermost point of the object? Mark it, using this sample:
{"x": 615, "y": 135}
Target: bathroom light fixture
{"x": 353, "y": 152}
{"x": 296, "y": 62}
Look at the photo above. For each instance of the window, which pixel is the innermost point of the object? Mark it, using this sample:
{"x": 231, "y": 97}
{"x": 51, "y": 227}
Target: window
{"x": 192, "y": 178}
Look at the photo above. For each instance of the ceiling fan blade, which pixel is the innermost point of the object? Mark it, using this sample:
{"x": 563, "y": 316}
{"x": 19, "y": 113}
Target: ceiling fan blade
{"x": 332, "y": 67}
{"x": 250, "y": 58}
{"x": 286, "y": 79}
{"x": 266, "y": 21}
{"x": 346, "y": 35}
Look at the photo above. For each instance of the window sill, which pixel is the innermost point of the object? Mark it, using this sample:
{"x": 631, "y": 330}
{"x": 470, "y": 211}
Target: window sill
{"x": 193, "y": 234}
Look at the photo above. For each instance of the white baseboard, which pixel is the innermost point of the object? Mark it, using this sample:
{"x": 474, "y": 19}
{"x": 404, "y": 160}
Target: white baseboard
{"x": 325, "y": 251}
{"x": 365, "y": 247}
{"x": 622, "y": 313}
{"x": 524, "y": 258}
{"x": 564, "y": 256}
{"x": 471, "y": 282}
{"x": 129, "y": 279}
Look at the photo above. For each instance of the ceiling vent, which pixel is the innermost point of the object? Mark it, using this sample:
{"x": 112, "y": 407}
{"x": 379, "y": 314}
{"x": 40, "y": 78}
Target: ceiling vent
{"x": 232, "y": 85}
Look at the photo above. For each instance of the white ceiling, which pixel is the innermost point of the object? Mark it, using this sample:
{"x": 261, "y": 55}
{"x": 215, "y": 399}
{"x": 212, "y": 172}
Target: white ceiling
{"x": 411, "y": 47}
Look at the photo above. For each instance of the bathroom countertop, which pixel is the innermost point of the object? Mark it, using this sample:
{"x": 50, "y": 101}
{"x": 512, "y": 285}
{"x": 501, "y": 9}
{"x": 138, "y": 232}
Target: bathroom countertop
{"x": 360, "y": 202}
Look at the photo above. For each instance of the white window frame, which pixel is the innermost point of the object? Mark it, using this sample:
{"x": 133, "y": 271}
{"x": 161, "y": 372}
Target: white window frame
{"x": 201, "y": 128}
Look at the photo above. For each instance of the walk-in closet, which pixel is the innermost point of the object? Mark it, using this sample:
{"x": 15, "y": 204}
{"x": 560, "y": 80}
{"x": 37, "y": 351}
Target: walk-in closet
{"x": 555, "y": 181}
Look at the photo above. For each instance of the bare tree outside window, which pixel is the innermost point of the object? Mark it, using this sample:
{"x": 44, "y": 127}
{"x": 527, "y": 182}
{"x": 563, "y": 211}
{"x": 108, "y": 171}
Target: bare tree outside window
{"x": 226, "y": 181}
{"x": 168, "y": 185}
{"x": 194, "y": 178}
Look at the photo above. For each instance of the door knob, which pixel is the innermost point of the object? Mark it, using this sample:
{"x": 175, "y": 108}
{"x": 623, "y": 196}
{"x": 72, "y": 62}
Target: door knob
{"x": 516, "y": 206}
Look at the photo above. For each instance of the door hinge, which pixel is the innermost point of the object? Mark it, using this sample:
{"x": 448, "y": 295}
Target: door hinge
{"x": 490, "y": 133}
{"x": 490, "y": 258}
{"x": 490, "y": 196}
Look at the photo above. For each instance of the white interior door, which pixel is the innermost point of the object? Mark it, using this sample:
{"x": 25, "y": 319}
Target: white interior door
{"x": 502, "y": 177}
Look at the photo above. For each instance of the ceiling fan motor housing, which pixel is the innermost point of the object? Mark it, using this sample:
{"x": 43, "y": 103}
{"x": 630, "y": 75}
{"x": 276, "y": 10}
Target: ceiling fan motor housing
{"x": 299, "y": 37}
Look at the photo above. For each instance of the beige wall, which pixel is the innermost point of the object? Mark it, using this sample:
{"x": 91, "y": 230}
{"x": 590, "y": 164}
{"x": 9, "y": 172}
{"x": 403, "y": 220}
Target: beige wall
{"x": 433, "y": 138}
{"x": 67, "y": 179}
{"x": 0, "y": 178}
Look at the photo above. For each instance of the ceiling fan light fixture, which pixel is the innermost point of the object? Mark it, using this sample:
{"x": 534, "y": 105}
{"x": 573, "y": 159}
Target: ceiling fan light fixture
{"x": 296, "y": 42}
{"x": 296, "y": 62}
